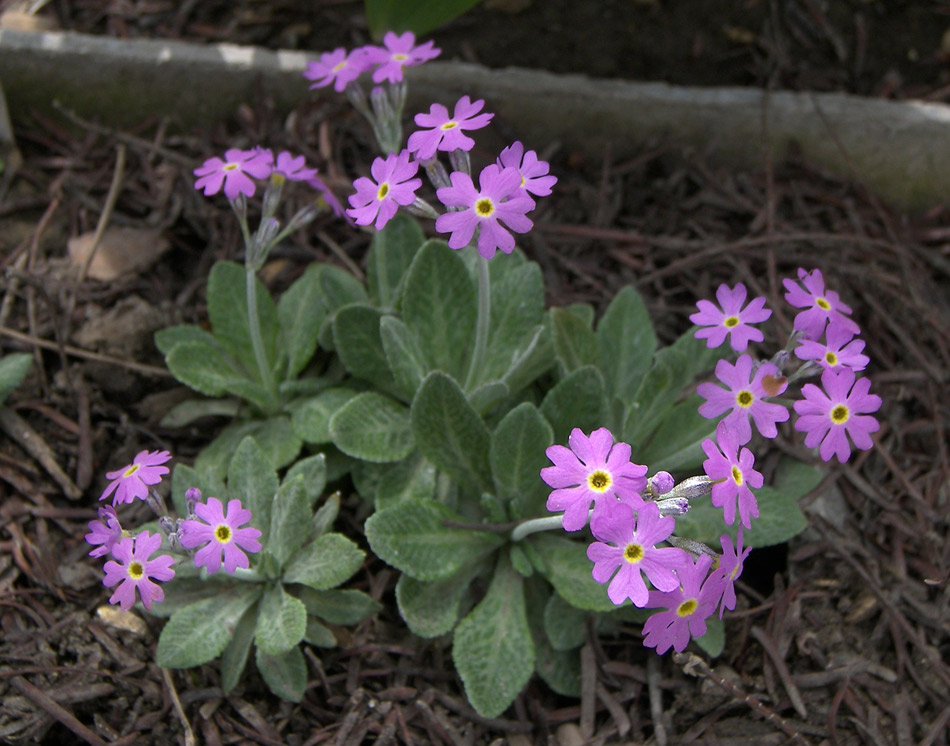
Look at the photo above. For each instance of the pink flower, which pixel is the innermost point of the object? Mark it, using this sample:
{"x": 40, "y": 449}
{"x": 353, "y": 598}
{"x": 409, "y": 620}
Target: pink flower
{"x": 394, "y": 186}
{"x": 688, "y": 607}
{"x": 292, "y": 168}
{"x": 731, "y": 321}
{"x": 446, "y": 133}
{"x": 829, "y": 416}
{"x": 336, "y": 207}
{"x": 234, "y": 172}
{"x": 729, "y": 570}
{"x": 840, "y": 349}
{"x": 398, "y": 52}
{"x": 496, "y": 202}
{"x": 534, "y": 173}
{"x": 734, "y": 476}
{"x": 105, "y": 532}
{"x": 337, "y": 67}
{"x": 133, "y": 481}
{"x": 627, "y": 546}
{"x": 134, "y": 570}
{"x": 744, "y": 397}
{"x": 821, "y": 306}
{"x": 220, "y": 534}
{"x": 594, "y": 470}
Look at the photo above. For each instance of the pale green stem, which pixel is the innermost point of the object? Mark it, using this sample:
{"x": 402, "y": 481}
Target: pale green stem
{"x": 481, "y": 323}
{"x": 533, "y": 526}
{"x": 257, "y": 342}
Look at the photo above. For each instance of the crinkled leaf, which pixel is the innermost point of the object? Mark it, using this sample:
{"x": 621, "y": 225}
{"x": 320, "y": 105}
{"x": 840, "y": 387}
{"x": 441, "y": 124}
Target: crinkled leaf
{"x": 714, "y": 640}
{"x": 626, "y": 343}
{"x": 517, "y": 457}
{"x": 388, "y": 484}
{"x": 252, "y": 392}
{"x": 234, "y": 657}
{"x": 281, "y": 622}
{"x": 325, "y": 515}
{"x": 253, "y": 481}
{"x": 13, "y": 369}
{"x": 564, "y": 625}
{"x": 313, "y": 469}
{"x": 191, "y": 410}
{"x": 324, "y": 563}
{"x": 390, "y": 254}
{"x": 431, "y": 608}
{"x": 358, "y": 342}
{"x": 372, "y": 427}
{"x": 564, "y": 563}
{"x": 574, "y": 341}
{"x": 274, "y": 436}
{"x": 488, "y": 395}
{"x": 340, "y": 289}
{"x": 203, "y": 368}
{"x": 532, "y": 359}
{"x": 167, "y": 339}
{"x": 577, "y": 400}
{"x": 184, "y": 477}
{"x": 285, "y": 675}
{"x": 658, "y": 393}
{"x": 319, "y": 635}
{"x": 198, "y": 633}
{"x": 300, "y": 312}
{"x": 311, "y": 420}
{"x": 677, "y": 444}
{"x": 183, "y": 591}
{"x": 406, "y": 360}
{"x": 338, "y": 606}
{"x": 290, "y": 519}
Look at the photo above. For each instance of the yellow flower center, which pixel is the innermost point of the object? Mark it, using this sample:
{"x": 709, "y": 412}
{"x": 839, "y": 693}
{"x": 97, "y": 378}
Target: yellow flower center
{"x": 223, "y": 533}
{"x": 633, "y": 553}
{"x": 130, "y": 471}
{"x": 730, "y": 321}
{"x": 831, "y": 358}
{"x": 230, "y": 166}
{"x": 136, "y": 571}
{"x": 599, "y": 481}
{"x": 399, "y": 57}
{"x": 339, "y": 67}
{"x": 734, "y": 573}
{"x": 737, "y": 475}
{"x": 687, "y": 607}
{"x": 823, "y": 304}
{"x": 383, "y": 191}
{"x": 745, "y": 398}
{"x": 484, "y": 207}
{"x": 450, "y": 125}
{"x": 840, "y": 414}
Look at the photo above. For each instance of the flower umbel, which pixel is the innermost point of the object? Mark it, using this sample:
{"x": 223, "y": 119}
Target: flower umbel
{"x": 730, "y": 320}
{"x": 744, "y": 397}
{"x": 220, "y": 534}
{"x": 132, "y": 482}
{"x": 133, "y": 570}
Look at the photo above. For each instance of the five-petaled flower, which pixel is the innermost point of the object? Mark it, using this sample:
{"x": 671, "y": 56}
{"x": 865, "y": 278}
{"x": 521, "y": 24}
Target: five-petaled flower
{"x": 534, "y": 173}
{"x": 729, "y": 570}
{"x": 626, "y": 546}
{"x": 293, "y": 168}
{"x": 828, "y": 417}
{"x": 687, "y": 607}
{"x": 821, "y": 306}
{"x": 733, "y": 474}
{"x": 132, "y": 482}
{"x": 234, "y": 172}
{"x": 133, "y": 570}
{"x": 337, "y": 67}
{"x": 593, "y": 470}
{"x": 840, "y": 350}
{"x": 398, "y": 52}
{"x": 105, "y": 532}
{"x": 730, "y": 319}
{"x": 744, "y": 397}
{"x": 219, "y": 534}
{"x": 497, "y": 201}
{"x": 394, "y": 185}
{"x": 446, "y": 132}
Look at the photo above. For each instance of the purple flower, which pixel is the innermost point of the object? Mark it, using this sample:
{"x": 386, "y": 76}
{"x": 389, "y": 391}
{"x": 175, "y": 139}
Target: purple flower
{"x": 734, "y": 476}
{"x": 839, "y": 349}
{"x": 534, "y": 173}
{"x": 446, "y": 133}
{"x": 292, "y": 168}
{"x": 829, "y": 416}
{"x": 688, "y": 607}
{"x": 234, "y": 172}
{"x": 497, "y": 201}
{"x": 729, "y": 570}
{"x": 105, "y": 532}
{"x": 627, "y": 541}
{"x": 220, "y": 534}
{"x": 821, "y": 306}
{"x": 134, "y": 570}
{"x": 394, "y": 186}
{"x": 337, "y": 67}
{"x": 744, "y": 397}
{"x": 593, "y": 470}
{"x": 731, "y": 321}
{"x": 132, "y": 481}
{"x": 396, "y": 53}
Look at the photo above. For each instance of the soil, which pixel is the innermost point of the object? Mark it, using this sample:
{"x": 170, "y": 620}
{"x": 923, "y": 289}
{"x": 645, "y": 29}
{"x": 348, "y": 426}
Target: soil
{"x": 839, "y": 637}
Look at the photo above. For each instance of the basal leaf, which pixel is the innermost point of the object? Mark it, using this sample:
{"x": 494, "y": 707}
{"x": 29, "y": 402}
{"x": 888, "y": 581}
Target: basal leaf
{"x": 191, "y": 410}
{"x": 166, "y": 339}
{"x": 390, "y": 253}
{"x": 253, "y": 481}
{"x": 676, "y": 446}
{"x": 338, "y": 606}
{"x": 419, "y": 16}
{"x": 324, "y": 563}
{"x": 532, "y": 359}
{"x": 358, "y": 342}
{"x": 658, "y": 393}
{"x": 574, "y": 341}
{"x": 626, "y": 343}
{"x": 274, "y": 436}
{"x": 290, "y": 518}
{"x": 577, "y": 400}
{"x": 340, "y": 289}
{"x": 517, "y": 457}
{"x": 184, "y": 477}
{"x": 281, "y": 622}
{"x": 313, "y": 469}
{"x": 413, "y": 478}
{"x": 564, "y": 563}
{"x": 564, "y": 625}
{"x": 431, "y": 608}
{"x": 406, "y": 361}
{"x": 372, "y": 427}
{"x": 204, "y": 368}
{"x": 319, "y": 635}
{"x": 234, "y": 657}
{"x": 311, "y": 420}
{"x": 300, "y": 313}
{"x": 285, "y": 675}
{"x": 714, "y": 640}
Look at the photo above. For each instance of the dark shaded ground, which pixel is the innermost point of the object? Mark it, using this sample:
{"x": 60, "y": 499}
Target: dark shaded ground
{"x": 844, "y": 637}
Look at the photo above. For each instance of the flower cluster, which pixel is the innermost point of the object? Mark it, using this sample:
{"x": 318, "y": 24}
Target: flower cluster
{"x": 207, "y": 534}
{"x": 340, "y": 67}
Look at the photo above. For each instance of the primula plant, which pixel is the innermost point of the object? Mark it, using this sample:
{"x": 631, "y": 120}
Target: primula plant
{"x": 534, "y": 475}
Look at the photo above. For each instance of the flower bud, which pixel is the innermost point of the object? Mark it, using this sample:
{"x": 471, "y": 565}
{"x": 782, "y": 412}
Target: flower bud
{"x": 675, "y": 506}
{"x": 192, "y": 498}
{"x": 691, "y": 488}
{"x": 660, "y": 483}
{"x": 422, "y": 209}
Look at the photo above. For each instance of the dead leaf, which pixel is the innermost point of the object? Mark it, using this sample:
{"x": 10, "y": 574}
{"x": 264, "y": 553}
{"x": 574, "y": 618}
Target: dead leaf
{"x": 122, "y": 251}
{"x": 124, "y": 620}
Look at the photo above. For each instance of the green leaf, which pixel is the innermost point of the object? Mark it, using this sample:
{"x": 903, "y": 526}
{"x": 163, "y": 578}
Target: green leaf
{"x": 227, "y": 310}
{"x": 431, "y": 609}
{"x": 359, "y": 344}
{"x": 234, "y": 657}
{"x": 253, "y": 481}
{"x": 658, "y": 393}
{"x": 285, "y": 675}
{"x": 324, "y": 563}
{"x": 201, "y": 367}
{"x": 795, "y": 478}
{"x": 281, "y": 622}
{"x": 390, "y": 253}
{"x": 559, "y": 669}
{"x": 487, "y": 396}
{"x": 578, "y": 400}
{"x": 626, "y": 343}
{"x": 167, "y": 339}
{"x": 13, "y": 369}
{"x": 439, "y": 307}
{"x": 406, "y": 360}
{"x": 184, "y": 477}
{"x": 313, "y": 469}
{"x": 714, "y": 640}
{"x": 677, "y": 443}
{"x": 517, "y": 457}
{"x": 311, "y": 420}
{"x": 372, "y": 427}
{"x": 300, "y": 313}
{"x": 574, "y": 341}
{"x": 413, "y": 478}
{"x": 250, "y": 391}
{"x": 583, "y": 311}
{"x": 319, "y": 635}
{"x": 419, "y": 16}
{"x": 190, "y": 410}
{"x": 340, "y": 289}
{"x": 183, "y": 591}
{"x": 290, "y": 519}
{"x": 564, "y": 563}
{"x": 338, "y": 607}
{"x": 325, "y": 515}
{"x": 198, "y": 633}
{"x": 274, "y": 436}
{"x": 492, "y": 648}
{"x": 532, "y": 360}
{"x": 564, "y": 625}
{"x": 411, "y": 537}
{"x": 450, "y": 433}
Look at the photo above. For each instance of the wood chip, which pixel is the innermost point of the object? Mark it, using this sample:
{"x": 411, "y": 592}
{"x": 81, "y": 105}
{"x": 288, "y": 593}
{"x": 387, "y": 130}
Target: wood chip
{"x": 122, "y": 251}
